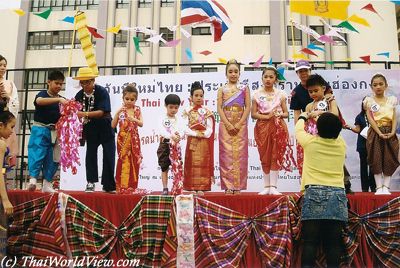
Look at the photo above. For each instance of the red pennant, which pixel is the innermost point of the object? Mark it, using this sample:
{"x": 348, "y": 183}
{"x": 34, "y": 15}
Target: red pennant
{"x": 370, "y": 7}
{"x": 308, "y": 51}
{"x": 205, "y": 52}
{"x": 367, "y": 59}
{"x": 94, "y": 32}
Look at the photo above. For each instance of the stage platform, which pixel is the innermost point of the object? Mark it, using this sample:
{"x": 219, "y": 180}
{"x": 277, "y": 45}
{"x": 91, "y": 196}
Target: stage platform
{"x": 116, "y": 208}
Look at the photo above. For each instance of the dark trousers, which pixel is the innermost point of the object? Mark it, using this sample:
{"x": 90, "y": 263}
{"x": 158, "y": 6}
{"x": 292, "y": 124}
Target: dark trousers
{"x": 327, "y": 231}
{"x": 107, "y": 177}
{"x": 367, "y": 178}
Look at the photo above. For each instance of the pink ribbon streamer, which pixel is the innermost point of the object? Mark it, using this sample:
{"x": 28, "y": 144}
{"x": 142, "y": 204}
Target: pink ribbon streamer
{"x": 69, "y": 131}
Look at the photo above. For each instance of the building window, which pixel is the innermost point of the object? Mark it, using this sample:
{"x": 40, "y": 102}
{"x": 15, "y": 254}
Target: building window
{"x": 123, "y": 3}
{"x": 319, "y": 29}
{"x": 201, "y": 31}
{"x": 119, "y": 71}
{"x": 165, "y": 70}
{"x": 145, "y": 3}
{"x": 253, "y": 68}
{"x": 52, "y": 40}
{"x": 142, "y": 37}
{"x": 297, "y": 36}
{"x": 340, "y": 42}
{"x": 142, "y": 70}
{"x": 37, "y": 79}
{"x": 121, "y": 39}
{"x": 168, "y": 35}
{"x": 56, "y": 5}
{"x": 167, "y": 3}
{"x": 256, "y": 30}
{"x": 204, "y": 69}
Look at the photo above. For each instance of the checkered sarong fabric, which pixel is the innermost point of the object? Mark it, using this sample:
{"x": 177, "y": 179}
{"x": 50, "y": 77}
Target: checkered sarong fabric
{"x": 88, "y": 233}
{"x": 35, "y": 229}
{"x": 143, "y": 233}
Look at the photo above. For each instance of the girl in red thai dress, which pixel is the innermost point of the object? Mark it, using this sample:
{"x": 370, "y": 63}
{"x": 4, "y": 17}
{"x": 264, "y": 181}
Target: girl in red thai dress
{"x": 270, "y": 132}
{"x": 128, "y": 118}
{"x": 199, "y": 156}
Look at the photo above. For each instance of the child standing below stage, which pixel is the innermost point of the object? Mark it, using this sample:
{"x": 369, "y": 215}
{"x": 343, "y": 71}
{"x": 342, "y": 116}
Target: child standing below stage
{"x": 199, "y": 156}
{"x": 171, "y": 131}
{"x": 43, "y": 134}
{"x": 270, "y": 132}
{"x": 128, "y": 118}
{"x": 367, "y": 177}
{"x": 382, "y": 142}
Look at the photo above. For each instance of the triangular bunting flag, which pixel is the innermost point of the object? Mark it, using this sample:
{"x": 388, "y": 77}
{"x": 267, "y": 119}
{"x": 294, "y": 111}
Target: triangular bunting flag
{"x": 114, "y": 29}
{"x": 156, "y": 39}
{"x": 185, "y": 33}
{"x": 136, "y": 42}
{"x": 371, "y": 8}
{"x": 94, "y": 32}
{"x": 222, "y": 60}
{"x": 68, "y": 19}
{"x": 258, "y": 62}
{"x": 334, "y": 32}
{"x": 326, "y": 39}
{"x": 270, "y": 61}
{"x": 386, "y": 54}
{"x": 330, "y": 62}
{"x": 300, "y": 57}
{"x": 205, "y": 52}
{"x": 281, "y": 71}
{"x": 189, "y": 54}
{"x": 19, "y": 11}
{"x": 367, "y": 59}
{"x": 45, "y": 14}
{"x": 359, "y": 20}
{"x": 347, "y": 25}
{"x": 172, "y": 43}
{"x": 314, "y": 46}
{"x": 308, "y": 51}
{"x": 397, "y": 2}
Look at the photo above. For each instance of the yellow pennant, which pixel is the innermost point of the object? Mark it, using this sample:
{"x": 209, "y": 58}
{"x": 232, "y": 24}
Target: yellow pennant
{"x": 86, "y": 42}
{"x": 334, "y": 9}
{"x": 359, "y": 20}
{"x": 300, "y": 57}
{"x": 114, "y": 29}
{"x": 222, "y": 60}
{"x": 19, "y": 11}
{"x": 347, "y": 59}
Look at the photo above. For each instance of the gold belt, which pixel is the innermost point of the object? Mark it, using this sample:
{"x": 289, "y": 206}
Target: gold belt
{"x": 233, "y": 108}
{"x": 384, "y": 124}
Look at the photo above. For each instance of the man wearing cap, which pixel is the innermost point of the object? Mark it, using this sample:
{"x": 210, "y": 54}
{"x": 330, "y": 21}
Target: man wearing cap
{"x": 97, "y": 130}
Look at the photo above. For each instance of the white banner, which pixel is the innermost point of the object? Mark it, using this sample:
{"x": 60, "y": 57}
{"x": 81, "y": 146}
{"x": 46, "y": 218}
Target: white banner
{"x": 349, "y": 87}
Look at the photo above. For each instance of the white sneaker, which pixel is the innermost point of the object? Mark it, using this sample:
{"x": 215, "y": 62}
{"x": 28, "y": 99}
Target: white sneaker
{"x": 274, "y": 191}
{"x": 31, "y": 185}
{"x": 265, "y": 191}
{"x": 379, "y": 191}
{"x": 48, "y": 187}
{"x": 385, "y": 190}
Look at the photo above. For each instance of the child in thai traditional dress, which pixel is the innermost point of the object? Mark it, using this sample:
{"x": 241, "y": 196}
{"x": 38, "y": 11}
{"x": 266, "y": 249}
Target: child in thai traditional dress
{"x": 233, "y": 106}
{"x": 128, "y": 118}
{"x": 382, "y": 142}
{"x": 7, "y": 124}
{"x": 270, "y": 132}
{"x": 199, "y": 156}
{"x": 171, "y": 130}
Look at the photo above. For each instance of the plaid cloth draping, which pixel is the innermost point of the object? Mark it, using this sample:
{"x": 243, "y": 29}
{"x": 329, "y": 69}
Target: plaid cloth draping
{"x": 382, "y": 230}
{"x": 35, "y": 229}
{"x": 88, "y": 233}
{"x": 273, "y": 234}
{"x": 170, "y": 243}
{"x": 143, "y": 233}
